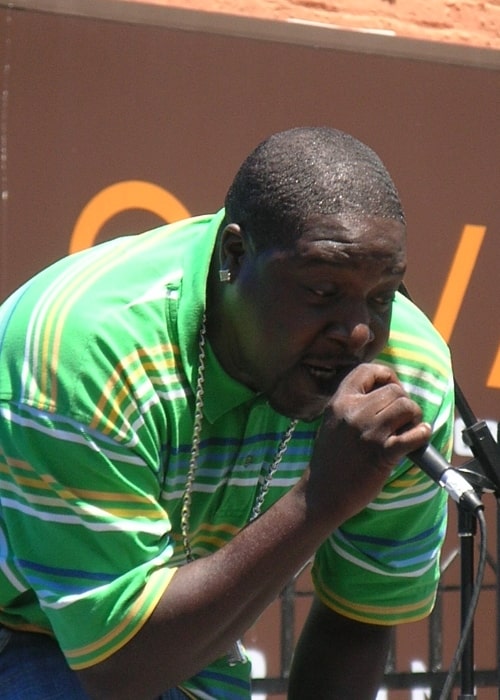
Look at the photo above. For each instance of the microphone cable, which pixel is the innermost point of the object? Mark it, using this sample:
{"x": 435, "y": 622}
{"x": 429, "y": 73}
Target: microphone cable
{"x": 481, "y": 567}
{"x": 469, "y": 619}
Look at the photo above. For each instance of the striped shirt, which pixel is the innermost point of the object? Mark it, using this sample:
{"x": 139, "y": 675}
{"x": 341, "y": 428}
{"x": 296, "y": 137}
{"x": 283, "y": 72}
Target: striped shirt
{"x": 98, "y": 369}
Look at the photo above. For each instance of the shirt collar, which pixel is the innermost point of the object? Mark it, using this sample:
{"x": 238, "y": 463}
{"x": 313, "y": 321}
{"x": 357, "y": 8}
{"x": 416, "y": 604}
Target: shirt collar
{"x": 222, "y": 392}
{"x": 195, "y": 264}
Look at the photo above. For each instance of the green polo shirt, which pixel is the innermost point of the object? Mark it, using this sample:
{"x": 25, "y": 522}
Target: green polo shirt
{"x": 98, "y": 370}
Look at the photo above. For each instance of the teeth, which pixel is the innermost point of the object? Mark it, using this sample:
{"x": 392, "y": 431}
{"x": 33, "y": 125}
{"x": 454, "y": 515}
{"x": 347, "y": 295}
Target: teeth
{"x": 322, "y": 371}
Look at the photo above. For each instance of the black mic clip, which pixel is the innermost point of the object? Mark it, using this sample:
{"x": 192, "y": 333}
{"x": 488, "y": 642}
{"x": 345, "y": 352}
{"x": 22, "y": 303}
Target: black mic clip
{"x": 484, "y": 469}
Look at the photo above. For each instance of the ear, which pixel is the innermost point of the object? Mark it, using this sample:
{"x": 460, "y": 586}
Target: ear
{"x": 233, "y": 246}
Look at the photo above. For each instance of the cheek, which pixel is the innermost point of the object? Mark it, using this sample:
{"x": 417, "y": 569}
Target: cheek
{"x": 285, "y": 334}
{"x": 381, "y": 331}
{"x": 271, "y": 316}
{"x": 292, "y": 323}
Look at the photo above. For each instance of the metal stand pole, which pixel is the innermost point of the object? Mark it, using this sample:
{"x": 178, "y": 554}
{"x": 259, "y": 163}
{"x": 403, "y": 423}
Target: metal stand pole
{"x": 466, "y": 532}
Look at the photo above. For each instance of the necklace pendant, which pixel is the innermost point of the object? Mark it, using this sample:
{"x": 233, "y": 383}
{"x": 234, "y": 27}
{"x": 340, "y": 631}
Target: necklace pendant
{"x": 236, "y": 654}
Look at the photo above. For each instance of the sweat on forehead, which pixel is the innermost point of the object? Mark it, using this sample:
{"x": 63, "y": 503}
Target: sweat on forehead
{"x": 305, "y": 172}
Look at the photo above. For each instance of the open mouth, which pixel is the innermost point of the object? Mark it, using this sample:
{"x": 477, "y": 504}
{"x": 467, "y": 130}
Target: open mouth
{"x": 324, "y": 371}
{"x": 321, "y": 371}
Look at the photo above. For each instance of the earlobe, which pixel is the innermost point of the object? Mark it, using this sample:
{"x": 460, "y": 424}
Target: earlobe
{"x": 224, "y": 274}
{"x": 232, "y": 250}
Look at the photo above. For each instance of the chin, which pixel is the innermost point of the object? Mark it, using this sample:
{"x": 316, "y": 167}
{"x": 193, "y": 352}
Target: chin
{"x": 299, "y": 408}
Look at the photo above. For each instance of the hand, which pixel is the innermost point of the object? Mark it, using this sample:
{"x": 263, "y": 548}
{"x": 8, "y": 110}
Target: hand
{"x": 369, "y": 425}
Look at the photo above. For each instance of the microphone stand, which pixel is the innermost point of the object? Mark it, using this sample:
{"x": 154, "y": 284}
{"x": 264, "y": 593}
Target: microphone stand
{"x": 483, "y": 473}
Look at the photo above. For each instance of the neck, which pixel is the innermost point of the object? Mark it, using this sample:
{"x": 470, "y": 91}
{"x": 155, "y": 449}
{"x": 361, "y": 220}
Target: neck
{"x": 218, "y": 322}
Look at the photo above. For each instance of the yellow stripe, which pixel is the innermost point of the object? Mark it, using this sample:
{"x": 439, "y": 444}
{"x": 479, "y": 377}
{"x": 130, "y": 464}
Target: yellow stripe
{"x": 371, "y": 613}
{"x": 57, "y": 317}
{"x": 189, "y": 695}
{"x": 127, "y": 620}
{"x": 423, "y": 343}
{"x": 223, "y": 527}
{"x": 106, "y": 396}
{"x": 112, "y": 496}
{"x": 214, "y": 541}
{"x": 80, "y": 284}
{"x": 458, "y": 279}
{"x": 15, "y": 463}
{"x": 27, "y": 628}
{"x": 493, "y": 381}
{"x": 415, "y": 356}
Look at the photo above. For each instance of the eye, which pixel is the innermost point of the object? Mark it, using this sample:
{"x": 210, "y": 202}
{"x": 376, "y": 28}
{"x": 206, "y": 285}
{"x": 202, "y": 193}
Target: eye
{"x": 383, "y": 302}
{"x": 322, "y": 292}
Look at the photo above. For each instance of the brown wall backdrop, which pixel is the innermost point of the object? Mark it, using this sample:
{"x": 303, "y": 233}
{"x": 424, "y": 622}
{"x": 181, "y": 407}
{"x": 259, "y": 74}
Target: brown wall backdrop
{"x": 89, "y": 103}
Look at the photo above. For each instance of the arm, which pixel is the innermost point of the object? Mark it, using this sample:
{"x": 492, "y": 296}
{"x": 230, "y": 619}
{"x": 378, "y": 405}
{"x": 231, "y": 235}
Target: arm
{"x": 212, "y": 601}
{"x": 338, "y": 658}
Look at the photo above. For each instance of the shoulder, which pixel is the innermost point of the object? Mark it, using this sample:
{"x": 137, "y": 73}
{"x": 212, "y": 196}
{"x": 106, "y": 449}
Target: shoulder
{"x": 421, "y": 359}
{"x": 414, "y": 340}
{"x": 90, "y": 312}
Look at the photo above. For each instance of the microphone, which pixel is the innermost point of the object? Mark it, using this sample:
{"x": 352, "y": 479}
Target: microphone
{"x": 434, "y": 465}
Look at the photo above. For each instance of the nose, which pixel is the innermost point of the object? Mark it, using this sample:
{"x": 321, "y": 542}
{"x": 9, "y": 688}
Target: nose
{"x": 355, "y": 336}
{"x": 352, "y": 326}
{"x": 361, "y": 335}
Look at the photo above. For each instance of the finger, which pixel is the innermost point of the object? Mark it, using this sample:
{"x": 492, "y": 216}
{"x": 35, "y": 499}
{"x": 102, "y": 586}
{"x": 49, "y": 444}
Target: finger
{"x": 395, "y": 412}
{"x": 392, "y": 399}
{"x": 410, "y": 439}
{"x": 368, "y": 377}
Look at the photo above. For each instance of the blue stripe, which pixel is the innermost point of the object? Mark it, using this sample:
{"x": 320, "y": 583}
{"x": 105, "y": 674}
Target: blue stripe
{"x": 70, "y": 573}
{"x": 386, "y": 542}
{"x": 240, "y": 688}
{"x": 251, "y": 440}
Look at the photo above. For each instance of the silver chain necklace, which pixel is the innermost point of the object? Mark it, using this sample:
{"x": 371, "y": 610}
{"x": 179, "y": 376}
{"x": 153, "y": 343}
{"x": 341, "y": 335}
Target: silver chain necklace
{"x": 236, "y": 654}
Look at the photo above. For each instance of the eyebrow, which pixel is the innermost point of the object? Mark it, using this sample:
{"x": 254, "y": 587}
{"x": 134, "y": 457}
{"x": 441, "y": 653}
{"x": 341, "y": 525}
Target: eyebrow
{"x": 343, "y": 260}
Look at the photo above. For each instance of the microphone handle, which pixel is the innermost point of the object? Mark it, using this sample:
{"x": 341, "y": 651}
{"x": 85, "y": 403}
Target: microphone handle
{"x": 450, "y": 479}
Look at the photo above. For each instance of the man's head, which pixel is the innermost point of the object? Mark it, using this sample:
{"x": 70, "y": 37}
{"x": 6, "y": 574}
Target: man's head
{"x": 305, "y": 172}
{"x": 314, "y": 241}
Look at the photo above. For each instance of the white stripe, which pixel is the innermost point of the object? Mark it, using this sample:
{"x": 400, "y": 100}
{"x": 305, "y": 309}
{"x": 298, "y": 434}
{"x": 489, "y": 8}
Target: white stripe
{"x": 401, "y": 503}
{"x": 59, "y": 502}
{"x": 38, "y": 314}
{"x": 120, "y": 525}
{"x": 424, "y": 375}
{"x": 64, "y": 601}
{"x": 70, "y": 437}
{"x": 6, "y": 570}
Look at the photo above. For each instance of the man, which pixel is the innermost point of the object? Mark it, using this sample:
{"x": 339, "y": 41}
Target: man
{"x": 189, "y": 415}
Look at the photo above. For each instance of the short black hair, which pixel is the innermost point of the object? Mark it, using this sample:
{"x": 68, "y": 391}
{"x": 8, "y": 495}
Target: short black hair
{"x": 304, "y": 172}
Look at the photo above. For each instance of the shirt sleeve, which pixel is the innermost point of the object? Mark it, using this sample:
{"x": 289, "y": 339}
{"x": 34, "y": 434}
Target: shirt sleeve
{"x": 92, "y": 542}
{"x": 86, "y": 540}
{"x": 382, "y": 566}
{"x": 88, "y": 413}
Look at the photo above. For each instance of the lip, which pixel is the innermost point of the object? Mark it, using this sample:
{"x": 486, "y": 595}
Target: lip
{"x": 304, "y": 391}
{"x": 328, "y": 370}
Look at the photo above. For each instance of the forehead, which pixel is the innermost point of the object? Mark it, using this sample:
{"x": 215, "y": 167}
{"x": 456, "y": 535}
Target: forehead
{"x": 352, "y": 241}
